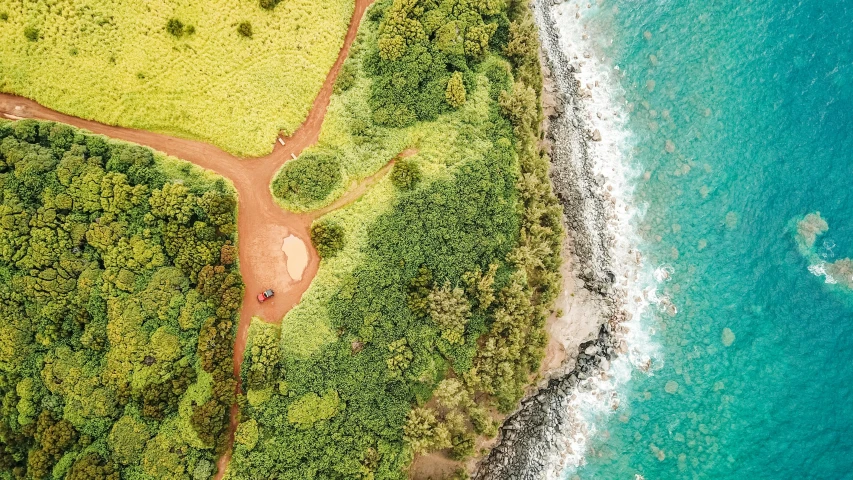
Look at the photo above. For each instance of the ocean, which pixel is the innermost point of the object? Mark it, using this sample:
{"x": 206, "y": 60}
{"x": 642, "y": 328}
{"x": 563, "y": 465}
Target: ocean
{"x": 732, "y": 121}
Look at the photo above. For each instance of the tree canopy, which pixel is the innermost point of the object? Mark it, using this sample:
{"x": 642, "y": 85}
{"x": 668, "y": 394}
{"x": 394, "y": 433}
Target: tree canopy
{"x": 118, "y": 318}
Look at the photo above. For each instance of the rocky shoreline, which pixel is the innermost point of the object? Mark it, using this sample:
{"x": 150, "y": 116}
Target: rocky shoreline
{"x": 532, "y": 440}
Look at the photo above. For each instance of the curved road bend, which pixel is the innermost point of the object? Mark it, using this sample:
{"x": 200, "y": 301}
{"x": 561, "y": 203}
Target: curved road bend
{"x": 261, "y": 223}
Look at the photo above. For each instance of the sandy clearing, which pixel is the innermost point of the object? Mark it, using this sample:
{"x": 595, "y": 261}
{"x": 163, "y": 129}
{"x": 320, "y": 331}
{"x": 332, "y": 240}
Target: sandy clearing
{"x": 433, "y": 466}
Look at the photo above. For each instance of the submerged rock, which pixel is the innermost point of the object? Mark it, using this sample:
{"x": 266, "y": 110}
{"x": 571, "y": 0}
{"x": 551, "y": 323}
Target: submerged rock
{"x": 671, "y": 387}
{"x": 596, "y": 135}
{"x": 728, "y": 337}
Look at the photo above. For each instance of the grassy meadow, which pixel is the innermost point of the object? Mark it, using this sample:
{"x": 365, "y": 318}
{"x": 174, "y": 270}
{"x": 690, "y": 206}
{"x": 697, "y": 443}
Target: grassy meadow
{"x": 229, "y": 73}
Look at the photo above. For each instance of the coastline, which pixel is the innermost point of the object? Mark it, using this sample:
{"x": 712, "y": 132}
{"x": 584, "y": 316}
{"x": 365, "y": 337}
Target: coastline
{"x": 533, "y": 441}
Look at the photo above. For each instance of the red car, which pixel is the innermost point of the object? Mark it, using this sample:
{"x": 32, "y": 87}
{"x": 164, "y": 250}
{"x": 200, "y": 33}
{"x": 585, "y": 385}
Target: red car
{"x": 263, "y": 296}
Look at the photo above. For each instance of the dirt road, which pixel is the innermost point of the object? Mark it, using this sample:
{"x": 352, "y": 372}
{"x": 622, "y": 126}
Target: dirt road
{"x": 261, "y": 224}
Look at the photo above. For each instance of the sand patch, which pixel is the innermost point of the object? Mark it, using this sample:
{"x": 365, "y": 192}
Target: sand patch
{"x": 433, "y": 466}
{"x": 297, "y": 256}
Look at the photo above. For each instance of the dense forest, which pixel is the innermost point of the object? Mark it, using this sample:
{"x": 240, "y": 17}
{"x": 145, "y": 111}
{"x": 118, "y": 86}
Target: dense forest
{"x": 118, "y": 294}
{"x": 437, "y": 311}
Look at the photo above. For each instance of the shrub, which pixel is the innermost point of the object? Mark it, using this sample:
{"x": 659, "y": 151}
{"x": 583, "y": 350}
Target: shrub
{"x": 405, "y": 174}
{"x": 32, "y": 33}
{"x": 245, "y": 29}
{"x": 269, "y": 4}
{"x": 327, "y": 237}
{"x": 4, "y": 16}
{"x": 308, "y": 179}
{"x": 175, "y": 27}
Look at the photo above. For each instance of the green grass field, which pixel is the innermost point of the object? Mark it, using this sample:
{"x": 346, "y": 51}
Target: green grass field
{"x": 116, "y": 62}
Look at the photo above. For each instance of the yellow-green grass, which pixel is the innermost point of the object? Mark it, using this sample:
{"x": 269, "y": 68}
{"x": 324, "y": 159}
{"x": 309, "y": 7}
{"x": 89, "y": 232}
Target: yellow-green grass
{"x": 113, "y": 61}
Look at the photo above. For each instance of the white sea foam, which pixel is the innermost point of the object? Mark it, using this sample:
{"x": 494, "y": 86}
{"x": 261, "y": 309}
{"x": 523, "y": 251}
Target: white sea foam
{"x": 601, "y": 396}
{"x": 819, "y": 270}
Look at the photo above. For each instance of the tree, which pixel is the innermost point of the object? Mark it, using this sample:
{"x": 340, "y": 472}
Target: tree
{"x": 269, "y": 4}
{"x": 405, "y": 174}
{"x": 523, "y": 43}
{"x": 399, "y": 29}
{"x": 424, "y": 433}
{"x": 455, "y": 93}
{"x": 477, "y": 38}
{"x": 519, "y": 106}
{"x": 245, "y": 29}
{"x": 175, "y": 27}
{"x": 125, "y": 439}
{"x": 309, "y": 179}
{"x": 312, "y": 408}
{"x": 450, "y": 310}
{"x": 247, "y": 434}
{"x": 263, "y": 355}
{"x": 32, "y": 33}
{"x": 92, "y": 466}
{"x": 419, "y": 290}
{"x": 463, "y": 445}
{"x": 480, "y": 285}
{"x": 327, "y": 237}
{"x": 81, "y": 243}
{"x": 400, "y": 359}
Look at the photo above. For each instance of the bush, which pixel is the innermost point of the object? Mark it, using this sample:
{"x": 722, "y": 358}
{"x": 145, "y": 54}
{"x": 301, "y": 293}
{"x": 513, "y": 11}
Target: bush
{"x": 4, "y": 16}
{"x": 327, "y": 237}
{"x": 175, "y": 27}
{"x": 269, "y": 4}
{"x": 32, "y": 33}
{"x": 405, "y": 174}
{"x": 245, "y": 29}
{"x": 307, "y": 180}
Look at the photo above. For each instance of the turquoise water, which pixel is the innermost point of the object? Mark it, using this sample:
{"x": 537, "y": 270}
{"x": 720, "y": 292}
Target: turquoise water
{"x": 757, "y": 99}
